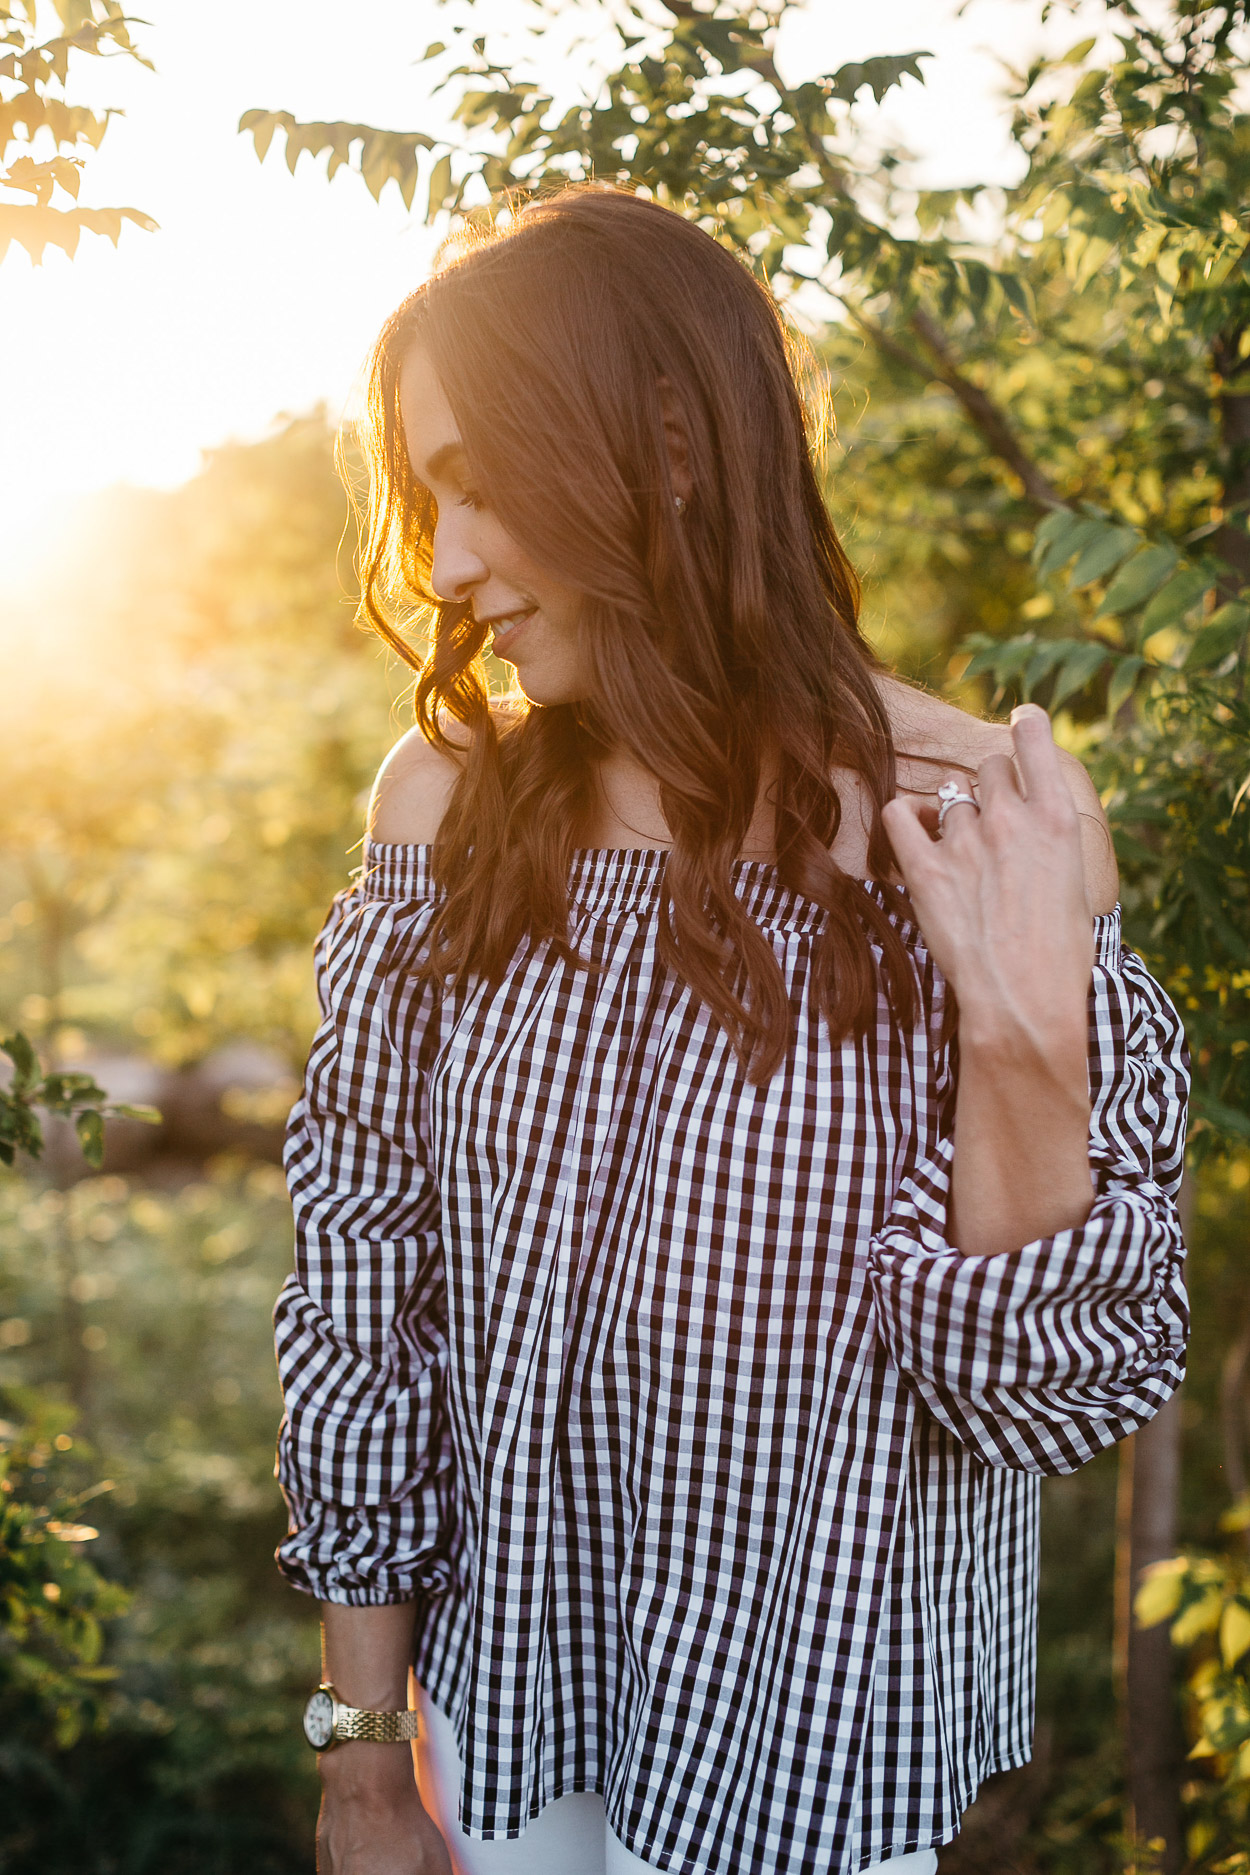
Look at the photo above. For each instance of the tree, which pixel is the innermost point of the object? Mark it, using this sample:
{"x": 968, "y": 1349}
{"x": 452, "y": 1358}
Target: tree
{"x": 1091, "y": 344}
{"x": 52, "y": 1602}
{"x": 185, "y": 756}
{"x": 42, "y": 135}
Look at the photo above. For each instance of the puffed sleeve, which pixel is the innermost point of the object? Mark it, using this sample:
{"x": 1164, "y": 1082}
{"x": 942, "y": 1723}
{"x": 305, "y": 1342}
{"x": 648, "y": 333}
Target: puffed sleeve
{"x": 1039, "y": 1358}
{"x": 363, "y": 1452}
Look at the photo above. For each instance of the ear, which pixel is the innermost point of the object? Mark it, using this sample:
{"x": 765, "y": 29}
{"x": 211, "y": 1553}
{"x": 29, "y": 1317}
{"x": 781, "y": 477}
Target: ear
{"x": 677, "y": 442}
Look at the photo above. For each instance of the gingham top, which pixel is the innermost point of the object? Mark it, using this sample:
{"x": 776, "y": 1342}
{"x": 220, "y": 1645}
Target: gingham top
{"x": 712, "y": 1469}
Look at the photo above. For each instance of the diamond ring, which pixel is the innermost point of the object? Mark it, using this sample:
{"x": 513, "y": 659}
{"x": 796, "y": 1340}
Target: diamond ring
{"x": 950, "y": 794}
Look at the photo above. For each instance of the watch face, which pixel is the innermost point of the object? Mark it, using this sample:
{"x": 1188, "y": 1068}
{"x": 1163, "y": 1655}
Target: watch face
{"x": 319, "y": 1720}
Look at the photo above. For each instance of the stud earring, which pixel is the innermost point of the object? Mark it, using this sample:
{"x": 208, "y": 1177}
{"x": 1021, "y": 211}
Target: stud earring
{"x": 679, "y": 502}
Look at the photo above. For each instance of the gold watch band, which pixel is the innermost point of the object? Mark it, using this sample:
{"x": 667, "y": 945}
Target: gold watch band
{"x": 378, "y": 1728}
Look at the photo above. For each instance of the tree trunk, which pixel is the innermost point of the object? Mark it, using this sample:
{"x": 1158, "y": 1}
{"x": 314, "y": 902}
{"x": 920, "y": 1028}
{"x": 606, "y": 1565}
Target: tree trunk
{"x": 1146, "y": 1512}
{"x": 1146, "y": 1533}
{"x": 1231, "y": 540}
{"x": 1234, "y": 1418}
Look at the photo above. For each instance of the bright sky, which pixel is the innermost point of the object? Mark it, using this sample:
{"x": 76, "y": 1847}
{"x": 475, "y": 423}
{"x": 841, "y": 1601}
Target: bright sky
{"x": 262, "y": 292}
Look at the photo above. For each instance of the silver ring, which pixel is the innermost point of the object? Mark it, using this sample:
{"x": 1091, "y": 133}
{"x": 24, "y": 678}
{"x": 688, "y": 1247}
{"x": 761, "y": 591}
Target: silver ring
{"x": 950, "y": 794}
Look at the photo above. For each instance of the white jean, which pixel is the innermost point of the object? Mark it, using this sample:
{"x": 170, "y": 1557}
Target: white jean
{"x": 569, "y": 1837}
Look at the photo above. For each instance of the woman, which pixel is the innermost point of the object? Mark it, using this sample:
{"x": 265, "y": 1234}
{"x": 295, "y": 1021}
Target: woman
{"x": 718, "y": 1196}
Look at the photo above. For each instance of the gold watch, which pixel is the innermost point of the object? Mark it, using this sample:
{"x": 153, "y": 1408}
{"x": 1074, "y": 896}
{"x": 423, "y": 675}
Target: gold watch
{"x": 328, "y": 1722}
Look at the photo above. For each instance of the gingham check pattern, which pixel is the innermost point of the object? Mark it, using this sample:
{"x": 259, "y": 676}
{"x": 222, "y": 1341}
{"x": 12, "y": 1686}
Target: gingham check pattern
{"x": 711, "y": 1467}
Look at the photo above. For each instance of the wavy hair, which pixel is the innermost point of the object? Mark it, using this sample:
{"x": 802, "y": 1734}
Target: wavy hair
{"x": 723, "y": 644}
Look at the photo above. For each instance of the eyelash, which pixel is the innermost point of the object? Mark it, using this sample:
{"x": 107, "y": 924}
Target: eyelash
{"x": 469, "y": 500}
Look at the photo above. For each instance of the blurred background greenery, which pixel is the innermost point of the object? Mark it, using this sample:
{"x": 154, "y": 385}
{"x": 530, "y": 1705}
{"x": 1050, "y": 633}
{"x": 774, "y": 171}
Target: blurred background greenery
{"x": 188, "y": 729}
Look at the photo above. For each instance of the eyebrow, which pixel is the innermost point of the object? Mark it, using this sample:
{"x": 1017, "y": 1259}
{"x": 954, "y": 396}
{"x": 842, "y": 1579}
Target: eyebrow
{"x": 441, "y": 458}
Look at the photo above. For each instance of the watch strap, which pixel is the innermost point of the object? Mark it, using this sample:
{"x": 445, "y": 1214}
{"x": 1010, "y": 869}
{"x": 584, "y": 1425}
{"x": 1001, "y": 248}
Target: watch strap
{"x": 378, "y": 1728}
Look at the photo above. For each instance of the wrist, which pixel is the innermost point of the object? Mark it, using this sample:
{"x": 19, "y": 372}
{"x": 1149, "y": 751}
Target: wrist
{"x": 1004, "y": 1039}
{"x": 363, "y": 1772}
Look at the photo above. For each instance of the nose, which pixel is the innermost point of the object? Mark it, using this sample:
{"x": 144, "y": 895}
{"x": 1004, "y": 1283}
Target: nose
{"x": 457, "y": 568}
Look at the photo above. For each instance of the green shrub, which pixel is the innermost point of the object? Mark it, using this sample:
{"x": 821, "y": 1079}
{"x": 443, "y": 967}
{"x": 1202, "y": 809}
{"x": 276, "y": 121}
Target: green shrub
{"x": 189, "y": 1758}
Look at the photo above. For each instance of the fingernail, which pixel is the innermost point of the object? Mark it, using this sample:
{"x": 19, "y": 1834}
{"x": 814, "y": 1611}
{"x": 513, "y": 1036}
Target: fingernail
{"x": 1023, "y": 709}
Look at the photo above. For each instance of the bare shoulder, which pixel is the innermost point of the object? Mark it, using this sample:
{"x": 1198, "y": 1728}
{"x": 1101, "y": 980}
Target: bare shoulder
{"x": 412, "y": 790}
{"x": 931, "y": 735}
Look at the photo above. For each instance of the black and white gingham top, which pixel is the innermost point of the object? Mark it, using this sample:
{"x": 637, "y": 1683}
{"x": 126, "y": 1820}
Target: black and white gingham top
{"x": 712, "y": 1469}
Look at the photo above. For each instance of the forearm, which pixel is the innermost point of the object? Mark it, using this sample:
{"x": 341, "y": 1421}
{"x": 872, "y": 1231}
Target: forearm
{"x": 1021, "y": 1167}
{"x": 365, "y": 1654}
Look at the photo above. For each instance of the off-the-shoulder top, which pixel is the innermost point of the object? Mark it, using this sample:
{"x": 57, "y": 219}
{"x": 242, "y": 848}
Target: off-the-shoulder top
{"x": 711, "y": 1467}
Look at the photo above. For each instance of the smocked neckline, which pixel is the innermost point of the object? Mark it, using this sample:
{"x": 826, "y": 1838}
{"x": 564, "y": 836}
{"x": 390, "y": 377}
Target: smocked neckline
{"x": 603, "y": 877}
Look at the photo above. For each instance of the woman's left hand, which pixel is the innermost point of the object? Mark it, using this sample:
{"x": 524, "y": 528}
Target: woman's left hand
{"x": 1000, "y": 896}
{"x": 1001, "y": 901}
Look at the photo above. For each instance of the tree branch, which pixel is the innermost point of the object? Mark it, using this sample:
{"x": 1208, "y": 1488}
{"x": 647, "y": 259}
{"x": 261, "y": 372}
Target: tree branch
{"x": 977, "y": 404}
{"x": 985, "y": 414}
{"x": 1230, "y": 539}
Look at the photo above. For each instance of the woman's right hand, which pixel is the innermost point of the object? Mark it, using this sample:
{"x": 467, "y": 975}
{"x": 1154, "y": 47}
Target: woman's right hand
{"x": 372, "y": 1819}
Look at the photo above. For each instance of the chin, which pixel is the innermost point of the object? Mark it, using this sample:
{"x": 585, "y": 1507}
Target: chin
{"x": 547, "y": 687}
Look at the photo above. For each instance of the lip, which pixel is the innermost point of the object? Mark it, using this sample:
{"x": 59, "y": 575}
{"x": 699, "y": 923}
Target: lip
{"x": 503, "y": 638}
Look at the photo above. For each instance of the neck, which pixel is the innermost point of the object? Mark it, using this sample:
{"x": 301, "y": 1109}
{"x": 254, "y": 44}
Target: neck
{"x": 626, "y": 810}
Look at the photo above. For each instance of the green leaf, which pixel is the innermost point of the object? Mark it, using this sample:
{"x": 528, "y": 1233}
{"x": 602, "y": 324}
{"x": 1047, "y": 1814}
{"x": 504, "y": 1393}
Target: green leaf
{"x": 1068, "y": 537}
{"x": 1016, "y": 293}
{"x": 124, "y": 1110}
{"x": 65, "y": 1089}
{"x": 1135, "y": 581}
{"x": 1088, "y": 258}
{"x": 25, "y": 1061}
{"x": 1222, "y": 633}
{"x": 1043, "y": 661}
{"x": 1218, "y": 1114}
{"x": 1123, "y": 682}
{"x": 1078, "y": 669}
{"x": 1105, "y": 551}
{"x": 1051, "y": 527}
{"x": 89, "y": 1127}
{"x": 1171, "y": 602}
{"x": 440, "y": 186}
{"x": 262, "y": 125}
{"x": 880, "y": 75}
{"x": 1001, "y": 659}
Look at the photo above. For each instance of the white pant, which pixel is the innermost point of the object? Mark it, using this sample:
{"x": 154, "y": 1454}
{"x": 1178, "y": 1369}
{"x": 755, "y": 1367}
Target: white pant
{"x": 569, "y": 1837}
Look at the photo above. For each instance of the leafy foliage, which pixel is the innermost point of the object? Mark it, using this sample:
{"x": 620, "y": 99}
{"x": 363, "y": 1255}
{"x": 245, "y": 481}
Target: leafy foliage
{"x": 42, "y": 135}
{"x": 201, "y": 1767}
{"x": 186, "y": 749}
{"x": 1206, "y": 1600}
{"x": 385, "y": 155}
{"x": 52, "y": 1601}
{"x": 1094, "y": 346}
{"x": 74, "y": 1096}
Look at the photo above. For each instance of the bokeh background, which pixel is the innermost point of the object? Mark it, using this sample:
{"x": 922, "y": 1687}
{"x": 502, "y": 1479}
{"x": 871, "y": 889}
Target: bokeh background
{"x": 190, "y": 720}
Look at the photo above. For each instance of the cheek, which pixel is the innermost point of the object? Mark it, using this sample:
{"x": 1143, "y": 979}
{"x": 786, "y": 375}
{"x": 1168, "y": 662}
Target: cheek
{"x": 508, "y": 560}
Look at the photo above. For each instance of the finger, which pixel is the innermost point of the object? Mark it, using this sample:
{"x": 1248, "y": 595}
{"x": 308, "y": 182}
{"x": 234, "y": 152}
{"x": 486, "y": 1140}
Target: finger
{"x": 904, "y": 822}
{"x": 1036, "y": 754}
{"x": 961, "y": 816}
{"x": 997, "y": 782}
{"x": 927, "y": 813}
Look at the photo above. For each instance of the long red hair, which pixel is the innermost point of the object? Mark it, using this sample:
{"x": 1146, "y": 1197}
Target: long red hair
{"x": 722, "y": 643}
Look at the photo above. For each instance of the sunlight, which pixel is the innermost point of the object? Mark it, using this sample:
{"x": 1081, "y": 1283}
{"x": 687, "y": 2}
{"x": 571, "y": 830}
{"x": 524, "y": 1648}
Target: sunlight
{"x": 262, "y": 291}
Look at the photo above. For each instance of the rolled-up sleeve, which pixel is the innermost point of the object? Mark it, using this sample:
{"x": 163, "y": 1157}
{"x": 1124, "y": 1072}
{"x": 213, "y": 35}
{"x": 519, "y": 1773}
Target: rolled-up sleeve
{"x": 1040, "y": 1358}
{"x": 363, "y": 1452}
